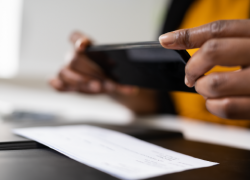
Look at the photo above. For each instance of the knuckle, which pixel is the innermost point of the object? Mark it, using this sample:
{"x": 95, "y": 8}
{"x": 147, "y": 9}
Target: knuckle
{"x": 210, "y": 49}
{"x": 215, "y": 82}
{"x": 211, "y": 46}
{"x": 217, "y": 28}
{"x": 228, "y": 108}
{"x": 183, "y": 37}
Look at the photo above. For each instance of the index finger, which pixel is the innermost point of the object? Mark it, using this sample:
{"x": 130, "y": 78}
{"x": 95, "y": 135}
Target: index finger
{"x": 196, "y": 37}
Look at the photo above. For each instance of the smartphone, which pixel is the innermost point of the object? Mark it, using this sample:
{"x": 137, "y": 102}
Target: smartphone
{"x": 144, "y": 64}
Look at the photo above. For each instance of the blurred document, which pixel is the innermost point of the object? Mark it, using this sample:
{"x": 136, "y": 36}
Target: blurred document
{"x": 115, "y": 153}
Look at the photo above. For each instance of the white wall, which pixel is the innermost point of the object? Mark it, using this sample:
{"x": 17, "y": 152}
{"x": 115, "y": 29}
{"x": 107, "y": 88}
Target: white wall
{"x": 48, "y": 23}
{"x": 10, "y": 23}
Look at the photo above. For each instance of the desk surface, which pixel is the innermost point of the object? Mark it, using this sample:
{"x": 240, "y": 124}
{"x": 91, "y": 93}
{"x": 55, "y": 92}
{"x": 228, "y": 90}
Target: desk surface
{"x": 84, "y": 108}
{"x": 50, "y": 165}
{"x": 47, "y": 164}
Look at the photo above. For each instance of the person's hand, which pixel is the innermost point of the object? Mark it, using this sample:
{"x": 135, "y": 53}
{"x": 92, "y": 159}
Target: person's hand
{"x": 83, "y": 75}
{"x": 224, "y": 43}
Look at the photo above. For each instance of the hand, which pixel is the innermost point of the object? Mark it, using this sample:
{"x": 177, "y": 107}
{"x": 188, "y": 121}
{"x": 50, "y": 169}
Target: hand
{"x": 83, "y": 75}
{"x": 224, "y": 43}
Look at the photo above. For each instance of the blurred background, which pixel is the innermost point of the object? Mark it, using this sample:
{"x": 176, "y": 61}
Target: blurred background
{"x": 34, "y": 40}
{"x": 46, "y": 25}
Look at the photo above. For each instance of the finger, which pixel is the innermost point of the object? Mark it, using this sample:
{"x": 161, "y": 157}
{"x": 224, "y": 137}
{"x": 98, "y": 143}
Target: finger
{"x": 57, "y": 84}
{"x": 80, "y": 82}
{"x": 80, "y": 41}
{"x": 83, "y": 65}
{"x": 71, "y": 77}
{"x": 195, "y": 37}
{"x": 109, "y": 86}
{"x": 223, "y": 52}
{"x": 92, "y": 87}
{"x": 224, "y": 84}
{"x": 230, "y": 108}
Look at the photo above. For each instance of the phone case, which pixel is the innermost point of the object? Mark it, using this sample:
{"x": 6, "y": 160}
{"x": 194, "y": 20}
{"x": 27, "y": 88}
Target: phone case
{"x": 144, "y": 64}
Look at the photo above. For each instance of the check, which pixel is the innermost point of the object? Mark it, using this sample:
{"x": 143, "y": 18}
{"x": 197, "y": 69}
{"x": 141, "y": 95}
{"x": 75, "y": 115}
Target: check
{"x": 115, "y": 153}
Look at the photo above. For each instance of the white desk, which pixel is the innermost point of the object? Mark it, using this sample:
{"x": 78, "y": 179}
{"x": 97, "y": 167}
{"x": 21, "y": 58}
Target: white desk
{"x": 202, "y": 131}
{"x": 71, "y": 106}
{"x": 75, "y": 107}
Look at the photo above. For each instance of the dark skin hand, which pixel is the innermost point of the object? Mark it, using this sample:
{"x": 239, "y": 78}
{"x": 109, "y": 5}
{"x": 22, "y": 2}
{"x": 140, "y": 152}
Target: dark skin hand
{"x": 82, "y": 75}
{"x": 224, "y": 43}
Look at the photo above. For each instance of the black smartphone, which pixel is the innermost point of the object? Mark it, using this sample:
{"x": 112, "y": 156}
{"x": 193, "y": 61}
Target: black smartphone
{"x": 144, "y": 64}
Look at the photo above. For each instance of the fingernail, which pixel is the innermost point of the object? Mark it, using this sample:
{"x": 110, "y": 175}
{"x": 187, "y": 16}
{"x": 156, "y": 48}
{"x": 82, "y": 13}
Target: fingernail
{"x": 79, "y": 44}
{"x": 167, "y": 39}
{"x": 94, "y": 86}
{"x": 187, "y": 82}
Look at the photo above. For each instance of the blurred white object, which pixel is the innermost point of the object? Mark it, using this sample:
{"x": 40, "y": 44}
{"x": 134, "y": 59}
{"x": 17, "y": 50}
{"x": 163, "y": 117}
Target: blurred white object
{"x": 10, "y": 25}
{"x": 22, "y": 100}
{"x": 47, "y": 24}
{"x": 6, "y": 108}
{"x": 197, "y": 130}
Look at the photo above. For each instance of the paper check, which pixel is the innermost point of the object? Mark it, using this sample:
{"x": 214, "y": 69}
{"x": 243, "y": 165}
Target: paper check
{"x": 115, "y": 153}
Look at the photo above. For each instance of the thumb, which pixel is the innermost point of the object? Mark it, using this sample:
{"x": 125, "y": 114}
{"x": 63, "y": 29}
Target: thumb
{"x": 80, "y": 41}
